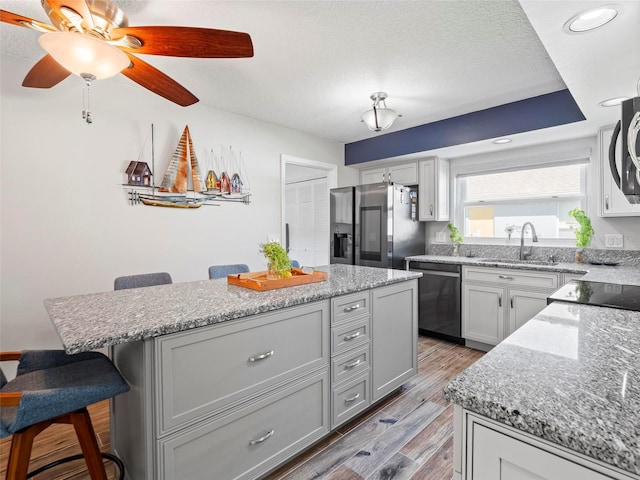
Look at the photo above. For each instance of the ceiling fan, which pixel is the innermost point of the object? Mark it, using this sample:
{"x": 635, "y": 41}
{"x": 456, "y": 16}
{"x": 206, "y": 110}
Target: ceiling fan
{"x": 101, "y": 28}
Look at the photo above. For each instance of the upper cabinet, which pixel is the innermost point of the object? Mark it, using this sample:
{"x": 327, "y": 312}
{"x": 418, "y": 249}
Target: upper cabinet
{"x": 612, "y": 202}
{"x": 433, "y": 190}
{"x": 402, "y": 173}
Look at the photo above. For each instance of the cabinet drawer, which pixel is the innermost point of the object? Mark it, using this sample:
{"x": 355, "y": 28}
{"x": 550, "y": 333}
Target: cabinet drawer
{"x": 208, "y": 369}
{"x": 350, "y": 364}
{"x": 351, "y": 399}
{"x": 347, "y": 307}
{"x": 523, "y": 278}
{"x": 350, "y": 335}
{"x": 253, "y": 440}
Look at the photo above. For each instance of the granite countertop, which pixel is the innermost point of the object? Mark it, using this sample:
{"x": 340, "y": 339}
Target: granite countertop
{"x": 627, "y": 275}
{"x": 571, "y": 375}
{"x": 87, "y": 322}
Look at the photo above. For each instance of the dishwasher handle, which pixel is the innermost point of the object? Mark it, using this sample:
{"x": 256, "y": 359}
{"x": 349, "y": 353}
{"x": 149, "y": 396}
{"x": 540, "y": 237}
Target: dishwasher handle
{"x": 437, "y": 273}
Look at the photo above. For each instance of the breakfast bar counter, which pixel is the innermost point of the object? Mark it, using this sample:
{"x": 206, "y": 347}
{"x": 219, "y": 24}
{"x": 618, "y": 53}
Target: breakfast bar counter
{"x": 87, "y": 322}
{"x": 229, "y": 382}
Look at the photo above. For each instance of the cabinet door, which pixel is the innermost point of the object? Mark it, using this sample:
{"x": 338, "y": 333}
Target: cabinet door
{"x": 404, "y": 174}
{"x": 373, "y": 175}
{"x": 427, "y": 190}
{"x": 394, "y": 333}
{"x": 483, "y": 313}
{"x": 523, "y": 306}
{"x": 613, "y": 203}
{"x": 499, "y": 457}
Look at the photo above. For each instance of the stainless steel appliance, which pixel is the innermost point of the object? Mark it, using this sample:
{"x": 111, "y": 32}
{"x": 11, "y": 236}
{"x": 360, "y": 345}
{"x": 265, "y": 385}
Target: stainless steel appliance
{"x": 376, "y": 225}
{"x": 628, "y": 179}
{"x": 439, "y": 300}
{"x": 342, "y": 224}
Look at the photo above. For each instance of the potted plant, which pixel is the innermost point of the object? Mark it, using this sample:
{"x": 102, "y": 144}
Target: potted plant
{"x": 456, "y": 238}
{"x": 583, "y": 233}
{"x": 279, "y": 265}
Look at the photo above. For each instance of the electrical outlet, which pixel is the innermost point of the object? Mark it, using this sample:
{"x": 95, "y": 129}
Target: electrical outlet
{"x": 613, "y": 240}
{"x": 440, "y": 237}
{"x": 273, "y": 237}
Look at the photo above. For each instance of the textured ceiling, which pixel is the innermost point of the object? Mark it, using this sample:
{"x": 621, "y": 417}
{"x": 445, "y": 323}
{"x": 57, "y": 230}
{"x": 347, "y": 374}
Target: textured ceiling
{"x": 317, "y": 62}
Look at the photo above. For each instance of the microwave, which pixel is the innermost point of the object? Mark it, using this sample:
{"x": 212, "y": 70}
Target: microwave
{"x": 628, "y": 179}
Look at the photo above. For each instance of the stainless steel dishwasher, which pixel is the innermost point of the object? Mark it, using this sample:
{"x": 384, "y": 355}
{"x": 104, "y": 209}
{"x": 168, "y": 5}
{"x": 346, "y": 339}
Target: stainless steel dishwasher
{"x": 439, "y": 300}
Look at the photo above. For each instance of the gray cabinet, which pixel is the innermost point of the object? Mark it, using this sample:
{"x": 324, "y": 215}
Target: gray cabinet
{"x": 433, "y": 189}
{"x": 237, "y": 399}
{"x": 496, "y": 302}
{"x": 350, "y": 356}
{"x": 402, "y": 173}
{"x": 212, "y": 389}
{"x": 394, "y": 333}
{"x": 485, "y": 449}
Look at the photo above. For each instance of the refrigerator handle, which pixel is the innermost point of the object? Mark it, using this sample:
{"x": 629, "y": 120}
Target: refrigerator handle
{"x": 286, "y": 236}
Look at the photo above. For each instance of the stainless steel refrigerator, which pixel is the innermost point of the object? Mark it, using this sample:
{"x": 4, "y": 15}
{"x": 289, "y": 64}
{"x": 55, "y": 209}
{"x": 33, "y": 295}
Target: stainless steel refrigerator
{"x": 375, "y": 225}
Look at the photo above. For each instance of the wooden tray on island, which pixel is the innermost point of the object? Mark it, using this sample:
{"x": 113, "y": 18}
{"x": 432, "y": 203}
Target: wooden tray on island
{"x": 259, "y": 280}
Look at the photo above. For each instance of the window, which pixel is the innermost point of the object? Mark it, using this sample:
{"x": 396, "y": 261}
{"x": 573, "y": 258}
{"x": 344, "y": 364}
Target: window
{"x": 491, "y": 202}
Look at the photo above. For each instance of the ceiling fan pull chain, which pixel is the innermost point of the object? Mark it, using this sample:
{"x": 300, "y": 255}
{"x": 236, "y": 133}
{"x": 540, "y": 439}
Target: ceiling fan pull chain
{"x": 86, "y": 112}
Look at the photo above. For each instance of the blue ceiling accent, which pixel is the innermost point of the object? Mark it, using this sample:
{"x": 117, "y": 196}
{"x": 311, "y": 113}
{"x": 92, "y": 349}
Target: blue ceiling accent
{"x": 550, "y": 110}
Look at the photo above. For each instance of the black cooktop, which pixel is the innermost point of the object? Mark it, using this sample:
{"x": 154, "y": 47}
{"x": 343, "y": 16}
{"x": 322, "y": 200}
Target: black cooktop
{"x": 626, "y": 297}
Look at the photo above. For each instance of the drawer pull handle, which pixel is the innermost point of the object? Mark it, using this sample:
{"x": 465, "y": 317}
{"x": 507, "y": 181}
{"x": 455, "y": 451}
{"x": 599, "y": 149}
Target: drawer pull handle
{"x": 261, "y": 357}
{"x": 352, "y": 308}
{"x": 352, "y": 399}
{"x": 505, "y": 277}
{"x": 262, "y": 439}
{"x": 500, "y": 300}
{"x": 354, "y": 364}
{"x": 348, "y": 338}
{"x": 511, "y": 301}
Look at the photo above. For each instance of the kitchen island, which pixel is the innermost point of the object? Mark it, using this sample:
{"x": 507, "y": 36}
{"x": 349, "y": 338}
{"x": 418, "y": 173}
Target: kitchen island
{"x": 228, "y": 382}
{"x": 558, "y": 399}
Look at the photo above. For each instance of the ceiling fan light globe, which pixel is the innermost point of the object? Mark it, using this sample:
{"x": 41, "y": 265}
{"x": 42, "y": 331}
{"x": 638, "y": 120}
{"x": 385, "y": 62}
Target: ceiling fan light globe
{"x": 84, "y": 55}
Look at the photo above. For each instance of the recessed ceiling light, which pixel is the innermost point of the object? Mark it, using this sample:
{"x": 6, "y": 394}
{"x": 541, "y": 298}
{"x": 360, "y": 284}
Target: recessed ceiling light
{"x": 590, "y": 19}
{"x": 612, "y": 102}
{"x": 500, "y": 141}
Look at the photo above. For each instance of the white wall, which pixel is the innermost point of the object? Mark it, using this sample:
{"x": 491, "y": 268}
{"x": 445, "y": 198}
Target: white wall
{"x": 627, "y": 226}
{"x": 67, "y": 227}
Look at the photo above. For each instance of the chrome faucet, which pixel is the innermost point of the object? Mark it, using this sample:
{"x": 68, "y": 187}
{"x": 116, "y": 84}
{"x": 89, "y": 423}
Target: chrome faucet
{"x": 525, "y": 255}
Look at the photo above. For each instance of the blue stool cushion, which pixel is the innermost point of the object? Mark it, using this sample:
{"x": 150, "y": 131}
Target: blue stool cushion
{"x": 54, "y": 383}
{"x": 142, "y": 280}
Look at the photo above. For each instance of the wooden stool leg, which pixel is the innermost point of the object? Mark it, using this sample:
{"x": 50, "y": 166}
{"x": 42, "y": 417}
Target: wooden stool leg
{"x": 84, "y": 429}
{"x": 20, "y": 452}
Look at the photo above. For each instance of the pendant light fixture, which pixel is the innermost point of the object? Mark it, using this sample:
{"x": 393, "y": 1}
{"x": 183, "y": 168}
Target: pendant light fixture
{"x": 379, "y": 117}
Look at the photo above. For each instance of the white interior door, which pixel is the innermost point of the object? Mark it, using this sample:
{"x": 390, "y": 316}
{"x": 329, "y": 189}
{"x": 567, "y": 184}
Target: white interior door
{"x": 305, "y": 209}
{"x": 307, "y": 215}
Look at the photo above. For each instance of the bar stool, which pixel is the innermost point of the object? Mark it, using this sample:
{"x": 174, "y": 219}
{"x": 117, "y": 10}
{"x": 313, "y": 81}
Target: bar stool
{"x": 142, "y": 280}
{"x": 221, "y": 271}
{"x": 53, "y": 387}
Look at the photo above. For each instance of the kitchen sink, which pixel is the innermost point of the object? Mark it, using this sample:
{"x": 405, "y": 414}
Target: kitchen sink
{"x": 518, "y": 262}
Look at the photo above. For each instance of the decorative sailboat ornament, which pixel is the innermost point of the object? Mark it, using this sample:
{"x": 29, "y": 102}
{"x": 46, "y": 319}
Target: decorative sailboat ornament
{"x": 176, "y": 178}
{"x": 181, "y": 185}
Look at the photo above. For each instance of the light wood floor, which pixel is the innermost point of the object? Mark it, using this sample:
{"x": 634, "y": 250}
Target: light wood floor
{"x": 409, "y": 435}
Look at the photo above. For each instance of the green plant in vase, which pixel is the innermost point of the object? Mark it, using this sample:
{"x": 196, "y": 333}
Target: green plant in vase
{"x": 583, "y": 233}
{"x": 455, "y": 238}
{"x": 279, "y": 263}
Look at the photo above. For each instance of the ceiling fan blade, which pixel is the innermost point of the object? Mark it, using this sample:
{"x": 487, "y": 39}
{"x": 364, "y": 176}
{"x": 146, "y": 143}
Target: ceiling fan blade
{"x": 21, "y": 21}
{"x": 45, "y": 74}
{"x": 153, "y": 79}
{"x": 188, "y": 42}
{"x": 78, "y": 6}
